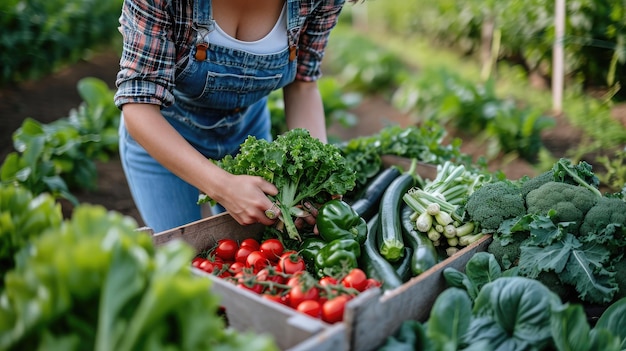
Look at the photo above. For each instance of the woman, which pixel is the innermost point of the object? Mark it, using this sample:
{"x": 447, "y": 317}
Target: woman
{"x": 193, "y": 84}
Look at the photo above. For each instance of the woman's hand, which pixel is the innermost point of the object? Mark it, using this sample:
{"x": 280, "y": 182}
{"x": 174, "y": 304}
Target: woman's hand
{"x": 245, "y": 198}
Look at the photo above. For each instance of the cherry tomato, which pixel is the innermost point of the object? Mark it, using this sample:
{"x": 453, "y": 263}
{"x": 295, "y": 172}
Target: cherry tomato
{"x": 272, "y": 249}
{"x": 253, "y": 243}
{"x": 371, "y": 282}
{"x": 257, "y": 288}
{"x": 281, "y": 299}
{"x": 207, "y": 266}
{"x": 242, "y": 254}
{"x": 236, "y": 267}
{"x": 226, "y": 249}
{"x": 196, "y": 261}
{"x": 256, "y": 261}
{"x": 311, "y": 307}
{"x": 290, "y": 263}
{"x": 356, "y": 279}
{"x": 332, "y": 310}
{"x": 328, "y": 281}
{"x": 299, "y": 293}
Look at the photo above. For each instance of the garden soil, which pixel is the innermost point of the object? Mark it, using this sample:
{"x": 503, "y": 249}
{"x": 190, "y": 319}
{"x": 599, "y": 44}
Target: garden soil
{"x": 51, "y": 98}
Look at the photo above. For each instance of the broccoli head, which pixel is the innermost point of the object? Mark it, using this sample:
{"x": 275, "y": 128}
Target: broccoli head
{"x": 493, "y": 203}
{"x": 534, "y": 183}
{"x": 507, "y": 253}
{"x": 571, "y": 202}
{"x": 606, "y": 222}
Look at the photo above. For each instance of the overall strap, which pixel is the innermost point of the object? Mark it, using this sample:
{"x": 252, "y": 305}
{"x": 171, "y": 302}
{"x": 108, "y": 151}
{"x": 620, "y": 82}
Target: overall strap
{"x": 203, "y": 24}
{"x": 294, "y": 26}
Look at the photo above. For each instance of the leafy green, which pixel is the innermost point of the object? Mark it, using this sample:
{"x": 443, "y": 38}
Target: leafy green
{"x": 96, "y": 283}
{"x": 581, "y": 174}
{"x": 23, "y": 217}
{"x": 449, "y": 319}
{"x": 578, "y": 264}
{"x": 300, "y": 166}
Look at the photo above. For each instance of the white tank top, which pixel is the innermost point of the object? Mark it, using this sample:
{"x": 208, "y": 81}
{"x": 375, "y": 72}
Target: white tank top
{"x": 274, "y": 42}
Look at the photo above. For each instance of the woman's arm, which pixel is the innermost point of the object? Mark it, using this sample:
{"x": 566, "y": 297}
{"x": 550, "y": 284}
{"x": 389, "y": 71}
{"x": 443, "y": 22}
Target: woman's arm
{"x": 304, "y": 108}
{"x": 243, "y": 196}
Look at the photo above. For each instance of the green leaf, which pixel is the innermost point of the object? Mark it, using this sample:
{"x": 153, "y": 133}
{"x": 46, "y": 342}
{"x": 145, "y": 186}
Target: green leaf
{"x": 449, "y": 319}
{"x": 482, "y": 268}
{"x": 570, "y": 329}
{"x": 519, "y": 306}
{"x": 614, "y": 320}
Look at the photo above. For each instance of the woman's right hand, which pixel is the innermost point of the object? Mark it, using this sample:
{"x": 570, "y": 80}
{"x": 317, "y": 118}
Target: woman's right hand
{"x": 246, "y": 199}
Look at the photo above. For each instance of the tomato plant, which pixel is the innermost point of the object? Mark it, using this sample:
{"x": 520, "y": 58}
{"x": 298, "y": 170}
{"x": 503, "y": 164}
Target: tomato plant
{"x": 226, "y": 249}
{"x": 272, "y": 249}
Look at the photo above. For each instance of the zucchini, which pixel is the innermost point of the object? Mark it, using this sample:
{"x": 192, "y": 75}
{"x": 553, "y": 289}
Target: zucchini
{"x": 375, "y": 265}
{"x": 424, "y": 251}
{"x": 369, "y": 201}
{"x": 403, "y": 267}
{"x": 391, "y": 243}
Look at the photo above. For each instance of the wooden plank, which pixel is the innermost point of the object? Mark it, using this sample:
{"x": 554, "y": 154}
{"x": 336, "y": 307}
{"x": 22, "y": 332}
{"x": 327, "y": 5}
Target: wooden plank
{"x": 206, "y": 232}
{"x": 371, "y": 323}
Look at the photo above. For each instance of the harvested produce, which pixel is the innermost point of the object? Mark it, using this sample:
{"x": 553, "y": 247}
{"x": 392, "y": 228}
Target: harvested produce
{"x": 302, "y": 168}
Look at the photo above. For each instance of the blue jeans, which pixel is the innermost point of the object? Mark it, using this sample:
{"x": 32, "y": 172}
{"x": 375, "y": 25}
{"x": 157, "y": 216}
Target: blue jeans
{"x": 163, "y": 199}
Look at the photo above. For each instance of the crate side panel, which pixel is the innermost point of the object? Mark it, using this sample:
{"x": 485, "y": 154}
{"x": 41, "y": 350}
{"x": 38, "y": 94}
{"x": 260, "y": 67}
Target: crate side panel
{"x": 372, "y": 323}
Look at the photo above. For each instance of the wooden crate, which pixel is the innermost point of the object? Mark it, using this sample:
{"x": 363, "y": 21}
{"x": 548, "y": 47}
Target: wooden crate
{"x": 248, "y": 311}
{"x": 369, "y": 318}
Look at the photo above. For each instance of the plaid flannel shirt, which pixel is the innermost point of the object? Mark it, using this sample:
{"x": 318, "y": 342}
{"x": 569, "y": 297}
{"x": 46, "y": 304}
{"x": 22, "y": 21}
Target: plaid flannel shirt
{"x": 158, "y": 37}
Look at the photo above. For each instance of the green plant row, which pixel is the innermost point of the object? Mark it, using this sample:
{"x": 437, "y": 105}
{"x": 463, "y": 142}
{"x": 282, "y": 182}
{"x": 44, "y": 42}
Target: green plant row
{"x": 60, "y": 156}
{"x": 522, "y": 32}
{"x": 39, "y": 36}
{"x": 438, "y": 95}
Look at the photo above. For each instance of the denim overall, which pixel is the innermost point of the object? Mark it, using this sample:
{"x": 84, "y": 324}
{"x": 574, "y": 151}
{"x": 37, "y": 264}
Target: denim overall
{"x": 219, "y": 101}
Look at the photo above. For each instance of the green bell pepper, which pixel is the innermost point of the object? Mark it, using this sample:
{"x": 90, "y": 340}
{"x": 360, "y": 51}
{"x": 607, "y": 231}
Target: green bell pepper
{"x": 310, "y": 247}
{"x": 339, "y": 255}
{"x": 336, "y": 219}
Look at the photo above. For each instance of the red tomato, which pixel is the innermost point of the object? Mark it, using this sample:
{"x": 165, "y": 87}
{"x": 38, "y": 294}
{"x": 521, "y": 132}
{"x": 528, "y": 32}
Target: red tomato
{"x": 254, "y": 288}
{"x": 328, "y": 281}
{"x": 371, "y": 282}
{"x": 256, "y": 261}
{"x": 226, "y": 249}
{"x": 332, "y": 310}
{"x": 272, "y": 249}
{"x": 196, "y": 261}
{"x": 297, "y": 294}
{"x": 310, "y": 307}
{"x": 207, "y": 266}
{"x": 290, "y": 262}
{"x": 236, "y": 267}
{"x": 281, "y": 299}
{"x": 356, "y": 279}
{"x": 242, "y": 254}
{"x": 250, "y": 243}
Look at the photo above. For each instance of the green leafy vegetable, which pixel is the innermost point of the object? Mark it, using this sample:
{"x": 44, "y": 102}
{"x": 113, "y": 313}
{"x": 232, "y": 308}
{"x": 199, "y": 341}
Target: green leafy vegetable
{"x": 300, "y": 166}
{"x": 23, "y": 217}
{"x": 96, "y": 283}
